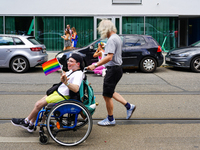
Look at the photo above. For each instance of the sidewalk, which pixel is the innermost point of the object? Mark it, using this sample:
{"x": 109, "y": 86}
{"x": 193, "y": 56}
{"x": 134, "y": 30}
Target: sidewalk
{"x": 52, "y": 54}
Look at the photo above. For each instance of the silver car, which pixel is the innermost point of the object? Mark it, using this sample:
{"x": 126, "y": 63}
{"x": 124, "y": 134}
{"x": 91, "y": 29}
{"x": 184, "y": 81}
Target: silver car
{"x": 19, "y": 52}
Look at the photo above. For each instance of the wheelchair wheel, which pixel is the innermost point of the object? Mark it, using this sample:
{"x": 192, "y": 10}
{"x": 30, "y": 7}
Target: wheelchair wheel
{"x": 66, "y": 125}
{"x": 43, "y": 139}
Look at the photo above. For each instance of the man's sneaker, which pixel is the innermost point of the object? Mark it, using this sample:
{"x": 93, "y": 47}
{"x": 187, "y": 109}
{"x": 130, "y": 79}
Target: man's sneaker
{"x": 130, "y": 111}
{"x": 30, "y": 128}
{"x": 19, "y": 122}
{"x": 106, "y": 122}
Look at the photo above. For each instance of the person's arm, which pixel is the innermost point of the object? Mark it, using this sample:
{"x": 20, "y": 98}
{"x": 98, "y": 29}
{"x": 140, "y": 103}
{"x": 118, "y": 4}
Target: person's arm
{"x": 101, "y": 62}
{"x": 71, "y": 86}
{"x": 98, "y": 53}
{"x": 65, "y": 38}
{"x": 74, "y": 36}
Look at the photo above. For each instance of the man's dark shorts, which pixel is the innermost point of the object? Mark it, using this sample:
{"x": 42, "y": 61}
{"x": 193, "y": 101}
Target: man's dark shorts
{"x": 112, "y": 77}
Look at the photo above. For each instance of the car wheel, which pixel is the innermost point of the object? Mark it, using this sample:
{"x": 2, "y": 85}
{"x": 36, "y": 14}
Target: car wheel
{"x": 148, "y": 65}
{"x": 19, "y": 64}
{"x": 195, "y": 64}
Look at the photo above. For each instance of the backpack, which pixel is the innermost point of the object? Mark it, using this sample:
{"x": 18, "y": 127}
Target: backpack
{"x": 87, "y": 96}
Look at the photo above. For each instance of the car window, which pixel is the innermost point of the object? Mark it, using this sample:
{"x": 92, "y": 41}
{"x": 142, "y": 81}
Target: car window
{"x": 152, "y": 41}
{"x": 6, "y": 41}
{"x": 105, "y": 41}
{"x": 34, "y": 41}
{"x": 131, "y": 41}
{"x": 18, "y": 41}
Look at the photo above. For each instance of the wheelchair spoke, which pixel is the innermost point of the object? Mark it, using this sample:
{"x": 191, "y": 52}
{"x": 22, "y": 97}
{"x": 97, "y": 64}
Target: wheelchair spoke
{"x": 69, "y": 128}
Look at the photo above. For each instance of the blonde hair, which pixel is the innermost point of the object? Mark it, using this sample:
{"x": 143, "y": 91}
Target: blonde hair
{"x": 106, "y": 26}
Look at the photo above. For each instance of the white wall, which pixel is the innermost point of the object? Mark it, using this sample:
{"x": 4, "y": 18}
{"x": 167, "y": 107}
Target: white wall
{"x": 98, "y": 7}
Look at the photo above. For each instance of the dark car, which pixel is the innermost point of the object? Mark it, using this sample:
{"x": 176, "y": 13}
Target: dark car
{"x": 185, "y": 57}
{"x": 138, "y": 51}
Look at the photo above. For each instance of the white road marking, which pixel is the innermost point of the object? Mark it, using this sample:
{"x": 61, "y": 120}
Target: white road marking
{"x": 20, "y": 140}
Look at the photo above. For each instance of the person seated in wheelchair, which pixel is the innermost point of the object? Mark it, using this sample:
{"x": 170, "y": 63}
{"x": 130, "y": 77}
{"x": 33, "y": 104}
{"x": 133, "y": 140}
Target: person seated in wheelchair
{"x": 71, "y": 81}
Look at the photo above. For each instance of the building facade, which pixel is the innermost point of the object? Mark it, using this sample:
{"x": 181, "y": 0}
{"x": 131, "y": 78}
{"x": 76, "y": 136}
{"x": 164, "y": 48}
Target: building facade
{"x": 173, "y": 23}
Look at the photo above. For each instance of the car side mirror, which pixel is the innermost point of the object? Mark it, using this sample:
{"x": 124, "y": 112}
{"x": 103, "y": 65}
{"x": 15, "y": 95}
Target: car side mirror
{"x": 91, "y": 47}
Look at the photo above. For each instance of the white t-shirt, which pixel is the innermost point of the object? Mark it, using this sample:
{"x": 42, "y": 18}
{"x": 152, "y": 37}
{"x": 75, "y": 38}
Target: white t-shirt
{"x": 75, "y": 78}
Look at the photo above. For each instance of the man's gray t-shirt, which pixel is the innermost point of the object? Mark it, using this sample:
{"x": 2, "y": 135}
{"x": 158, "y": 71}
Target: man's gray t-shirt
{"x": 114, "y": 46}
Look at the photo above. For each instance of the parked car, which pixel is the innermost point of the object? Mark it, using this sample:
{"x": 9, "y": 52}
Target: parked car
{"x": 185, "y": 57}
{"x": 138, "y": 51}
{"x": 19, "y": 52}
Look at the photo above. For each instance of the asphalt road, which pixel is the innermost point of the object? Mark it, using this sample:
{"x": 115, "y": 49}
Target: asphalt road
{"x": 167, "y": 114}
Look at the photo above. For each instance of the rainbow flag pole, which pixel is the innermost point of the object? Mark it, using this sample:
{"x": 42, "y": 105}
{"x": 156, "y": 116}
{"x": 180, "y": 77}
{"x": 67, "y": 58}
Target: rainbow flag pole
{"x": 51, "y": 66}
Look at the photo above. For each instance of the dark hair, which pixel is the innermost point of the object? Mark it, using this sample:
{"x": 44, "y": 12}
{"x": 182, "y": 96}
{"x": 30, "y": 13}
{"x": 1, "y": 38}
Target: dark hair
{"x": 67, "y": 32}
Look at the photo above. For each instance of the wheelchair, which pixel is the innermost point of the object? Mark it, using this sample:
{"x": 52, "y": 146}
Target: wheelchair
{"x": 68, "y": 122}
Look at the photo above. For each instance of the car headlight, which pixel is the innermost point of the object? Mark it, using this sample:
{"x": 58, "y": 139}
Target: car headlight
{"x": 184, "y": 55}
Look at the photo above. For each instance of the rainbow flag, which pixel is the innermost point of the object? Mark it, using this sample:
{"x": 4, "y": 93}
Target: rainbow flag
{"x": 51, "y": 66}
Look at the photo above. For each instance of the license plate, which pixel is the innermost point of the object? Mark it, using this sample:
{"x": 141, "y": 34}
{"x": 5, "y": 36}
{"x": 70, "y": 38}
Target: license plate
{"x": 167, "y": 59}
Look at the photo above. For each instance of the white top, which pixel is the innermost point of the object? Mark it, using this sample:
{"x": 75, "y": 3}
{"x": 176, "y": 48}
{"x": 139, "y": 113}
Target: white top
{"x": 100, "y": 58}
{"x": 75, "y": 78}
{"x": 69, "y": 37}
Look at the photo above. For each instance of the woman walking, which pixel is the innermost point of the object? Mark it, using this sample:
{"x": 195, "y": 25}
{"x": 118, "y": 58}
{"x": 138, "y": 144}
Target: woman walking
{"x": 67, "y": 39}
{"x": 74, "y": 37}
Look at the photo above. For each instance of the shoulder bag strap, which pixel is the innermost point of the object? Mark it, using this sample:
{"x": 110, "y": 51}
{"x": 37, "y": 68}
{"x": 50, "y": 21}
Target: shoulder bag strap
{"x": 67, "y": 76}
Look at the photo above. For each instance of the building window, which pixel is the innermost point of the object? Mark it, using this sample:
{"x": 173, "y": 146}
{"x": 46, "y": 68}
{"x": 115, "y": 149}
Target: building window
{"x": 84, "y": 27}
{"x": 48, "y": 30}
{"x": 132, "y": 25}
{"x": 1, "y": 25}
{"x": 163, "y": 30}
{"x": 117, "y": 24}
{"x": 19, "y": 25}
{"x": 127, "y": 1}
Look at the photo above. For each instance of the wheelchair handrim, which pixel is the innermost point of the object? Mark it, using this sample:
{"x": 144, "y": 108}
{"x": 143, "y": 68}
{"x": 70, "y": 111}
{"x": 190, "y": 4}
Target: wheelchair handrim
{"x": 78, "y": 104}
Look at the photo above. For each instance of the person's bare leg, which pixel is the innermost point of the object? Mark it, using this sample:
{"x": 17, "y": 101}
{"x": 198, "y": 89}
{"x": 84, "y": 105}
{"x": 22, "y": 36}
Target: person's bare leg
{"x": 109, "y": 105}
{"x": 38, "y": 106}
{"x": 119, "y": 98}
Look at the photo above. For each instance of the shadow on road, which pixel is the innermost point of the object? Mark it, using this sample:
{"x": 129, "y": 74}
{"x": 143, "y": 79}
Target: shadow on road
{"x": 180, "y": 69}
{"x": 31, "y": 70}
